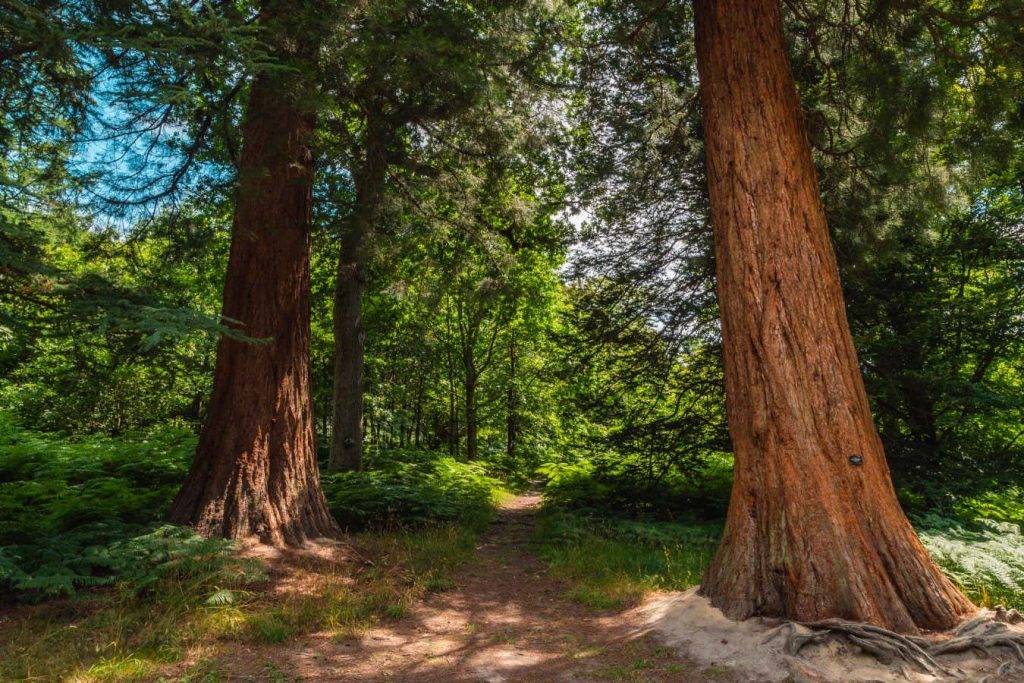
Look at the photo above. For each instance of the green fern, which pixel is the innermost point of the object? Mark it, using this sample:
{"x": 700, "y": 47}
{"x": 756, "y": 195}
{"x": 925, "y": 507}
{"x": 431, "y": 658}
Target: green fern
{"x": 984, "y": 556}
{"x": 221, "y": 598}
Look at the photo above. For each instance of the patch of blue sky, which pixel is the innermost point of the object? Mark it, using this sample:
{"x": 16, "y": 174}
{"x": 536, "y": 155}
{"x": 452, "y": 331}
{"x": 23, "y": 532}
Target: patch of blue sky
{"x": 132, "y": 156}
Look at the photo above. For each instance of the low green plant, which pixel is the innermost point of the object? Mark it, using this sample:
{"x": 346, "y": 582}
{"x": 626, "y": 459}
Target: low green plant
{"x": 81, "y": 512}
{"x": 612, "y": 562}
{"x": 407, "y": 489}
{"x": 985, "y": 557}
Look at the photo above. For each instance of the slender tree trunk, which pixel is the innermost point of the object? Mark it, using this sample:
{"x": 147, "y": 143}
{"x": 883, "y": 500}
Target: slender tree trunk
{"x": 814, "y": 529}
{"x": 453, "y": 412}
{"x": 255, "y": 471}
{"x": 349, "y": 334}
{"x": 470, "y": 386}
{"x": 418, "y": 412}
{"x": 512, "y": 400}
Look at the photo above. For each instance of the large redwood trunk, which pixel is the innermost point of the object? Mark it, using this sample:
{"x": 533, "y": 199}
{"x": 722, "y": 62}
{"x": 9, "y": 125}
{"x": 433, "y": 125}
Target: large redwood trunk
{"x": 814, "y": 529}
{"x": 349, "y": 333}
{"x": 255, "y": 471}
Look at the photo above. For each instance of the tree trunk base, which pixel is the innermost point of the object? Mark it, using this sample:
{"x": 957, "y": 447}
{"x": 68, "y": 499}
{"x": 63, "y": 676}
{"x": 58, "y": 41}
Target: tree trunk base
{"x": 275, "y": 510}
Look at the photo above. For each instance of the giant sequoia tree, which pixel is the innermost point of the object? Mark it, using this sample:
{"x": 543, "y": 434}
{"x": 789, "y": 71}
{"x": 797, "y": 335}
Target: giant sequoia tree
{"x": 255, "y": 471}
{"x": 814, "y": 529}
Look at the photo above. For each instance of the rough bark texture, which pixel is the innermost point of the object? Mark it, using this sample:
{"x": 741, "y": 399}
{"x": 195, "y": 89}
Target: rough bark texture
{"x": 810, "y": 533}
{"x": 255, "y": 470}
{"x": 349, "y": 333}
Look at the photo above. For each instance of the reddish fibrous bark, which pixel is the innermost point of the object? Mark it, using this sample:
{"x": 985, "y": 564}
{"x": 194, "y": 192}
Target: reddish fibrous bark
{"x": 255, "y": 471}
{"x": 814, "y": 529}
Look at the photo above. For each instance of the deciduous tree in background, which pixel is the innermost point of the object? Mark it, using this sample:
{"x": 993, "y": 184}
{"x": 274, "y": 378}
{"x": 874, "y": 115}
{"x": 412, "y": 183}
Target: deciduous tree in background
{"x": 814, "y": 529}
{"x": 408, "y": 72}
{"x": 407, "y": 65}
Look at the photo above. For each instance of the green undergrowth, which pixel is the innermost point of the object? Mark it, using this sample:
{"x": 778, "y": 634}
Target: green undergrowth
{"x": 984, "y": 557}
{"x": 617, "y": 533}
{"x": 409, "y": 488}
{"x": 614, "y": 552}
{"x": 79, "y": 512}
{"x": 120, "y": 634}
{"x": 631, "y": 488}
{"x": 94, "y": 586}
{"x": 126, "y": 631}
{"x": 1006, "y": 505}
{"x": 613, "y": 563}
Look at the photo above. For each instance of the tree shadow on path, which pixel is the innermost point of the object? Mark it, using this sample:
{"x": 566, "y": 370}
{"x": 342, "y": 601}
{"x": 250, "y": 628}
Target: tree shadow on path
{"x": 507, "y": 619}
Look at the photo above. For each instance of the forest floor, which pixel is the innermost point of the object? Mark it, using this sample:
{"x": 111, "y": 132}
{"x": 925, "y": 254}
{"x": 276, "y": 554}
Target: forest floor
{"x": 506, "y": 619}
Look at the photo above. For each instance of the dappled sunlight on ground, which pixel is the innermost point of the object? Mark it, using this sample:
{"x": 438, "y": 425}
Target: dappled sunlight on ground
{"x": 507, "y": 619}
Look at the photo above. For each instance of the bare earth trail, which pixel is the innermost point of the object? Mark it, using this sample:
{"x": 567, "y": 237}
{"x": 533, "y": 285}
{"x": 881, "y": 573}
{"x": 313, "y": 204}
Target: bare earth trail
{"x": 507, "y": 619}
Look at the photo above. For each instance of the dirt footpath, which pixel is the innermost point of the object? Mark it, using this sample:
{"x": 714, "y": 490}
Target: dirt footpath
{"x": 506, "y": 620}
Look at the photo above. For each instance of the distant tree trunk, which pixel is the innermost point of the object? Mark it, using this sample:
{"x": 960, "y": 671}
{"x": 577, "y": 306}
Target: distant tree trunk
{"x": 453, "y": 412}
{"x": 470, "y": 386}
{"x": 814, "y": 529}
{"x": 512, "y": 400}
{"x": 349, "y": 334}
{"x": 418, "y": 412}
{"x": 255, "y": 470}
{"x": 196, "y": 407}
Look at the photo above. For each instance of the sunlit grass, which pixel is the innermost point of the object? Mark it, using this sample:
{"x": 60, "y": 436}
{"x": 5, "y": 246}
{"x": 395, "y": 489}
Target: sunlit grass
{"x": 613, "y": 564}
{"x": 113, "y": 637}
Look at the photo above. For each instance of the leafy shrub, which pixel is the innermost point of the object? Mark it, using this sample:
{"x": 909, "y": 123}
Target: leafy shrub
{"x": 410, "y": 488}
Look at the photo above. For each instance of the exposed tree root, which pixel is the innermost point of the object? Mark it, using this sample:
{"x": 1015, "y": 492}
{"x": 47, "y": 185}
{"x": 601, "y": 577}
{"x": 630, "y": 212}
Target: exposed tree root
{"x": 981, "y": 634}
{"x": 886, "y": 646}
